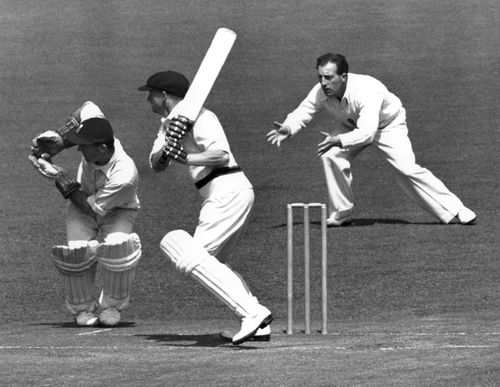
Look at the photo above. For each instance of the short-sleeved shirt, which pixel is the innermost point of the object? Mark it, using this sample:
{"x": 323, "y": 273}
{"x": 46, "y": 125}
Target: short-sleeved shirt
{"x": 367, "y": 105}
{"x": 110, "y": 186}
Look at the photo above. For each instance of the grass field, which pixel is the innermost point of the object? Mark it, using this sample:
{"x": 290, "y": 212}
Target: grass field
{"x": 411, "y": 301}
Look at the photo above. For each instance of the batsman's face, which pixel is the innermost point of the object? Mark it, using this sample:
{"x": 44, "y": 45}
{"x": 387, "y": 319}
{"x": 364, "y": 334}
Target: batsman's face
{"x": 332, "y": 84}
{"x": 157, "y": 100}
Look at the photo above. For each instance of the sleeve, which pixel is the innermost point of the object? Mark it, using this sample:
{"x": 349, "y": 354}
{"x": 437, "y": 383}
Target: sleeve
{"x": 88, "y": 110}
{"x": 156, "y": 151}
{"x": 305, "y": 112}
{"x": 118, "y": 191}
{"x": 209, "y": 134}
{"x": 368, "y": 104}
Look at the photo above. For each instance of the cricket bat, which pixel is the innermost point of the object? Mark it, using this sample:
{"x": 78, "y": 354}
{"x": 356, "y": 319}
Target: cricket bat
{"x": 207, "y": 73}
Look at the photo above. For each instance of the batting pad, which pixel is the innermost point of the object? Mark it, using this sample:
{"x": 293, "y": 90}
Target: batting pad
{"x": 77, "y": 264}
{"x": 191, "y": 258}
{"x": 118, "y": 259}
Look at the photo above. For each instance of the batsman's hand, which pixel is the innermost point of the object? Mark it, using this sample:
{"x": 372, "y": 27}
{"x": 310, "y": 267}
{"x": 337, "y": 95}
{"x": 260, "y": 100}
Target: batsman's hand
{"x": 178, "y": 127}
{"x": 279, "y": 134}
{"x": 175, "y": 151}
{"x": 45, "y": 167}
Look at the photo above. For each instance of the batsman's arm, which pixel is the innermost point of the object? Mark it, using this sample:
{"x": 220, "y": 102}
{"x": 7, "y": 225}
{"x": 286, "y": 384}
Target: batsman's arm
{"x": 208, "y": 158}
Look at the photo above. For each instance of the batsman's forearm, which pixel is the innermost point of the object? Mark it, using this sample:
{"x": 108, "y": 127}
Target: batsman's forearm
{"x": 209, "y": 158}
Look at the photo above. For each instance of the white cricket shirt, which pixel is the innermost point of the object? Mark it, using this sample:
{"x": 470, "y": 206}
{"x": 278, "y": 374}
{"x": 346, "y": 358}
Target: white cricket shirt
{"x": 110, "y": 186}
{"x": 367, "y": 105}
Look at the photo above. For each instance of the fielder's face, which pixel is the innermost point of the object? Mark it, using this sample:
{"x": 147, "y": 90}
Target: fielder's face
{"x": 157, "y": 100}
{"x": 332, "y": 84}
{"x": 91, "y": 153}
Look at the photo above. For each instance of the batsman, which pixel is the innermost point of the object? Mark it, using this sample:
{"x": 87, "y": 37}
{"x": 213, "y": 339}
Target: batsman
{"x": 102, "y": 202}
{"x": 227, "y": 197}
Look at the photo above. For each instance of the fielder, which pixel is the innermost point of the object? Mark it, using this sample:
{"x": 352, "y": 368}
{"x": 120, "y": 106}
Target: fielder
{"x": 364, "y": 112}
{"x": 103, "y": 201}
{"x": 227, "y": 197}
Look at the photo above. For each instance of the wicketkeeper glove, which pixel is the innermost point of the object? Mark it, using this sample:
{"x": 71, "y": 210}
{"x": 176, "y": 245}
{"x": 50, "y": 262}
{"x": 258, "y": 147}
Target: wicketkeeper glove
{"x": 66, "y": 185}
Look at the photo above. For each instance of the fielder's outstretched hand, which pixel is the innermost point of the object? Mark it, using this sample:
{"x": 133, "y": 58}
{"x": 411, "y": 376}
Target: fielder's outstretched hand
{"x": 175, "y": 151}
{"x": 328, "y": 143}
{"x": 178, "y": 127}
{"x": 281, "y": 133}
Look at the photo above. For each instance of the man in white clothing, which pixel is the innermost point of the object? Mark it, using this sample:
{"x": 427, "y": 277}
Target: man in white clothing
{"x": 102, "y": 203}
{"x": 226, "y": 193}
{"x": 364, "y": 112}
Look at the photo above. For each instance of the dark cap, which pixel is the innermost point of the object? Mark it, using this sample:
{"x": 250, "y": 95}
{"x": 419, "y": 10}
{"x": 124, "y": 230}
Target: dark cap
{"x": 170, "y": 82}
{"x": 92, "y": 131}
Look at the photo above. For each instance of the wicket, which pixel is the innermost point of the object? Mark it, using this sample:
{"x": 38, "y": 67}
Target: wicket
{"x": 307, "y": 279}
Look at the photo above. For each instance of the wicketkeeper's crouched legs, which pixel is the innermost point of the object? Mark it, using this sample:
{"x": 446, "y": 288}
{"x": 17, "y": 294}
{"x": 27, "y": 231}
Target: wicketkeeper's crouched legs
{"x": 118, "y": 256}
{"x": 77, "y": 265}
{"x": 192, "y": 259}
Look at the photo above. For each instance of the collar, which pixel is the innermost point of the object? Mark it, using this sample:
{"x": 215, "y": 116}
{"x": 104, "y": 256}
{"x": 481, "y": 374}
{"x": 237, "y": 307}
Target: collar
{"x": 106, "y": 167}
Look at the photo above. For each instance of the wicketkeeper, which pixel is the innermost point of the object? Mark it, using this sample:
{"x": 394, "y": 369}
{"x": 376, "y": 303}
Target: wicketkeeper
{"x": 103, "y": 200}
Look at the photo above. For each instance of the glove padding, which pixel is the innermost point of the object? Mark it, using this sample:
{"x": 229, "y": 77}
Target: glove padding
{"x": 175, "y": 151}
{"x": 52, "y": 141}
{"x": 45, "y": 167}
{"x": 66, "y": 185}
{"x": 178, "y": 127}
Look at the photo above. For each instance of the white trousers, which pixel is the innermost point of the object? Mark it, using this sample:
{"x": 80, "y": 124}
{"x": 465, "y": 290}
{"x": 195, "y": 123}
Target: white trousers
{"x": 418, "y": 183}
{"x": 82, "y": 227}
{"x": 221, "y": 221}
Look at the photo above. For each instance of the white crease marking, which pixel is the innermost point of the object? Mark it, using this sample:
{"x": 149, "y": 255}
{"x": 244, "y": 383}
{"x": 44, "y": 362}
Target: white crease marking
{"x": 93, "y": 332}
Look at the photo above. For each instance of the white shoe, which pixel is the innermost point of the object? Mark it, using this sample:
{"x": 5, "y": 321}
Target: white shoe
{"x": 466, "y": 216}
{"x": 109, "y": 317}
{"x": 86, "y": 319}
{"x": 331, "y": 221}
{"x": 262, "y": 334}
{"x": 251, "y": 324}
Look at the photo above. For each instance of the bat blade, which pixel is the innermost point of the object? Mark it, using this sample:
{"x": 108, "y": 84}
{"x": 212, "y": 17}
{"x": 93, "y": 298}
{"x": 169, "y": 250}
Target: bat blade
{"x": 207, "y": 73}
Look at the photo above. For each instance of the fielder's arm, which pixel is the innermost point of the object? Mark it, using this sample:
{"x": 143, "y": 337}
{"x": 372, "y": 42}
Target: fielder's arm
{"x": 279, "y": 134}
{"x": 70, "y": 189}
{"x": 51, "y": 142}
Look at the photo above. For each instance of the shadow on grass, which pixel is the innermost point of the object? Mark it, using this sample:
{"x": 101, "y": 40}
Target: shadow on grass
{"x": 195, "y": 341}
{"x": 71, "y": 324}
{"x": 362, "y": 222}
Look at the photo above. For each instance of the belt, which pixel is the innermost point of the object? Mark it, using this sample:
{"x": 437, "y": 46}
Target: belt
{"x": 216, "y": 172}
